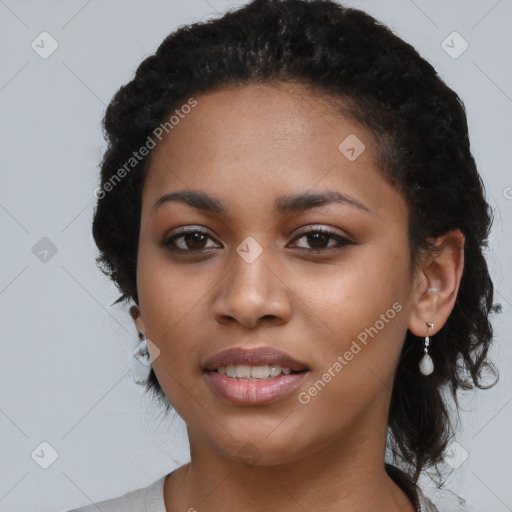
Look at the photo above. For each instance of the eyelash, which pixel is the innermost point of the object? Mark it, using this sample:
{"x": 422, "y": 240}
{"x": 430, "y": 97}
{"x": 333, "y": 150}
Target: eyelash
{"x": 341, "y": 239}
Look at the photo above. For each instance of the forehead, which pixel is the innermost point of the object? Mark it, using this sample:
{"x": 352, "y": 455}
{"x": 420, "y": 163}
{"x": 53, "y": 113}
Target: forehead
{"x": 275, "y": 138}
{"x": 260, "y": 116}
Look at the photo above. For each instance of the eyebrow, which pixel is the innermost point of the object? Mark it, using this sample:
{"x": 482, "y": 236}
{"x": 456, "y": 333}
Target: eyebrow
{"x": 284, "y": 205}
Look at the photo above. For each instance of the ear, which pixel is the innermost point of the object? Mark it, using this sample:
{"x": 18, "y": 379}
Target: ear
{"x": 137, "y": 318}
{"x": 436, "y": 283}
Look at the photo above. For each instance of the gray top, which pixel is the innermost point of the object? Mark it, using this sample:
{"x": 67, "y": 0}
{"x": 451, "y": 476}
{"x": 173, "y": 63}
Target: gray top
{"x": 151, "y": 499}
{"x": 147, "y": 499}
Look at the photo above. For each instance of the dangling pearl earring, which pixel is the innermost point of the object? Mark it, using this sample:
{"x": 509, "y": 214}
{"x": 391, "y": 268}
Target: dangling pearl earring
{"x": 141, "y": 365}
{"x": 426, "y": 364}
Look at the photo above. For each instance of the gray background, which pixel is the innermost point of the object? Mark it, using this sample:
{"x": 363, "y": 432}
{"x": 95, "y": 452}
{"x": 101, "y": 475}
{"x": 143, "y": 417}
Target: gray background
{"x": 66, "y": 353}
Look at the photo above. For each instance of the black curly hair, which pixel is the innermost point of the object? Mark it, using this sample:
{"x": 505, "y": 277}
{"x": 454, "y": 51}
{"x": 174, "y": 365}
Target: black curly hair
{"x": 421, "y": 136}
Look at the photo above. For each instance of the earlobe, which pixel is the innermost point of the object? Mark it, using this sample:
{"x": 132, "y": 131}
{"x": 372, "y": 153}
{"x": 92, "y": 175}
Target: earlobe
{"x": 437, "y": 283}
{"x": 135, "y": 313}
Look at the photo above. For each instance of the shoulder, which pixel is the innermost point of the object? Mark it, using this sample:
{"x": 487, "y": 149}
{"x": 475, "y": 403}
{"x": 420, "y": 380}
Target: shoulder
{"x": 145, "y": 499}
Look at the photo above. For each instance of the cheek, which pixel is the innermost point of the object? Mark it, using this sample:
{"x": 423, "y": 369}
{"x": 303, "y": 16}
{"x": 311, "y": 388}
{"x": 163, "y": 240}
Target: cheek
{"x": 361, "y": 313}
{"x": 169, "y": 290}
{"x": 353, "y": 295}
{"x": 171, "y": 301}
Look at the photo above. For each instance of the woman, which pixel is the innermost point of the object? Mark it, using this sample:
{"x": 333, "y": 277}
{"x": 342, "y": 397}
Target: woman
{"x": 289, "y": 198}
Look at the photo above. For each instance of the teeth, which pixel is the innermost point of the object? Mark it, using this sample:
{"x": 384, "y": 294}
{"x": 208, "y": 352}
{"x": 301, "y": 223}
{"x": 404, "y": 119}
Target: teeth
{"x": 246, "y": 372}
{"x": 261, "y": 372}
{"x": 243, "y": 371}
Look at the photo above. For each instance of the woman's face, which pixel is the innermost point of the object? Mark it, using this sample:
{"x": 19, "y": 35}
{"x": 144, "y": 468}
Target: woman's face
{"x": 248, "y": 275}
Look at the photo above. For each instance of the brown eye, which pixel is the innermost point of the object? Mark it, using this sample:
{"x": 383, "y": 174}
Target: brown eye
{"x": 318, "y": 239}
{"x": 193, "y": 240}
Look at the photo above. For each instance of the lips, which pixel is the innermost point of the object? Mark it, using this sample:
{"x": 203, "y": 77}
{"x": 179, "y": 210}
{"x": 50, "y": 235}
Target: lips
{"x": 253, "y": 376}
{"x": 257, "y": 356}
{"x": 253, "y": 392}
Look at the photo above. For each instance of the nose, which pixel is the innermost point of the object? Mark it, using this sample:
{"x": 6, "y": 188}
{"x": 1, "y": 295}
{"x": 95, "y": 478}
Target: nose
{"x": 253, "y": 293}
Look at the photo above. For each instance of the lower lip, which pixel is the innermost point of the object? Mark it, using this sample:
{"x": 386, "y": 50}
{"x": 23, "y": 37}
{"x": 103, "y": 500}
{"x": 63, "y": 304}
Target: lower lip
{"x": 254, "y": 392}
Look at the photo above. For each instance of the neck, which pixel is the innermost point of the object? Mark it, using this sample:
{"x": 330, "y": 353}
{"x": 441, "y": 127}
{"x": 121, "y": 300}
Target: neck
{"x": 347, "y": 473}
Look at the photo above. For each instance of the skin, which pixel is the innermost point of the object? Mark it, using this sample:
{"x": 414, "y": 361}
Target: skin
{"x": 247, "y": 146}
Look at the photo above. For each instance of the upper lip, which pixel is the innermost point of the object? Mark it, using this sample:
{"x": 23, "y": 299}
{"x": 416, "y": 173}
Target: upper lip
{"x": 256, "y": 356}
